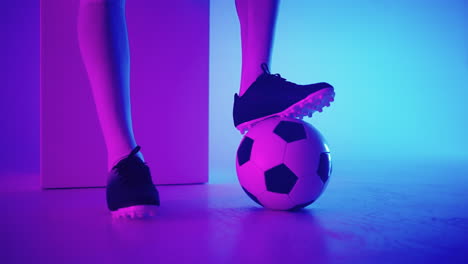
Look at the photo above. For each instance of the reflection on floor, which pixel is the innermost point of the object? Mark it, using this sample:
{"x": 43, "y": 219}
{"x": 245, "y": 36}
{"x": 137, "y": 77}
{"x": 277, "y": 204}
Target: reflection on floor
{"x": 368, "y": 214}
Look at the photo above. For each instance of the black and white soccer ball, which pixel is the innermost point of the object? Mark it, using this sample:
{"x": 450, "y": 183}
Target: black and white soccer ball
{"x": 283, "y": 163}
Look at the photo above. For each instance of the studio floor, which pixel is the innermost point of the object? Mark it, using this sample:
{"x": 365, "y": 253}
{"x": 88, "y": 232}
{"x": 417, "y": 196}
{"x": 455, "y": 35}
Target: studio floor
{"x": 414, "y": 212}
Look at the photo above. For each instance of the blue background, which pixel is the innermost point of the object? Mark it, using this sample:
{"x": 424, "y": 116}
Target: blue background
{"x": 400, "y": 70}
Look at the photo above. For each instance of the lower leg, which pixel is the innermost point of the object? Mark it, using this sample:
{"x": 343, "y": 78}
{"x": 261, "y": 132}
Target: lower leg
{"x": 104, "y": 47}
{"x": 257, "y": 20}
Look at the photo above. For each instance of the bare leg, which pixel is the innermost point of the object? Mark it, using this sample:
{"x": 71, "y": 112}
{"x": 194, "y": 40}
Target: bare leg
{"x": 257, "y": 20}
{"x": 104, "y": 47}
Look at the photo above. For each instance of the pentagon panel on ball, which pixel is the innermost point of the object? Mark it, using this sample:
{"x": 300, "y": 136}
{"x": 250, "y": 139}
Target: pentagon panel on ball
{"x": 290, "y": 131}
{"x": 244, "y": 151}
{"x": 280, "y": 179}
{"x": 283, "y": 163}
{"x": 324, "y": 167}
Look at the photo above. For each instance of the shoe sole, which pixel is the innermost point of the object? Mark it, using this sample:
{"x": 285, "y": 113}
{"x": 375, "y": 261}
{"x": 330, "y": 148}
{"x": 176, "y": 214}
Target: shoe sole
{"x": 137, "y": 211}
{"x": 306, "y": 107}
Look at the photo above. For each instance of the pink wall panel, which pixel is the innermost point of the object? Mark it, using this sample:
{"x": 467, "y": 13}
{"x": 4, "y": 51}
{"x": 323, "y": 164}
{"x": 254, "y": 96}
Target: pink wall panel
{"x": 169, "y": 80}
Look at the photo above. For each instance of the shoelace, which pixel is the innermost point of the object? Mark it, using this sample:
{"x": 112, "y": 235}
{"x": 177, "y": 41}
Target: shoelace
{"x": 122, "y": 166}
{"x": 284, "y": 82}
{"x": 267, "y": 71}
{"x": 123, "y": 162}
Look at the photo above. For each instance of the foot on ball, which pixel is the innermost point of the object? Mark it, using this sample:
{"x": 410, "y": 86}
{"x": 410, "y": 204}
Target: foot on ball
{"x": 271, "y": 95}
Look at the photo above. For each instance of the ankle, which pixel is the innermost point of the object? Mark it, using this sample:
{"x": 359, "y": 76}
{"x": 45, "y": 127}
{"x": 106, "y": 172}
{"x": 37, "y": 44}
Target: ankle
{"x": 248, "y": 78}
{"x": 116, "y": 157}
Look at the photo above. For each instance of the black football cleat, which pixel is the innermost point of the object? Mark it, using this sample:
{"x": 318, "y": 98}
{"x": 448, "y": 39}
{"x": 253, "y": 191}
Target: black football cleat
{"x": 271, "y": 95}
{"x": 130, "y": 190}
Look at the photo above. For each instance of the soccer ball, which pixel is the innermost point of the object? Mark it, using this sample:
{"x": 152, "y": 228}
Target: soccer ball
{"x": 283, "y": 163}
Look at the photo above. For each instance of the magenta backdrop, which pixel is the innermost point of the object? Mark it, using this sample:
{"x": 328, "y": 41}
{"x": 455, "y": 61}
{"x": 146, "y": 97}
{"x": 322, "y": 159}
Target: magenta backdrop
{"x": 169, "y": 87}
{"x": 19, "y": 103}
